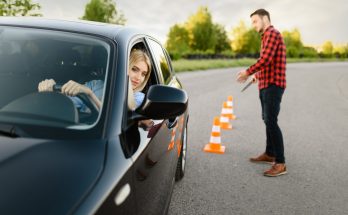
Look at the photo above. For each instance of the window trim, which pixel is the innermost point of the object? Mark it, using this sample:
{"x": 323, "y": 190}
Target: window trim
{"x": 158, "y": 68}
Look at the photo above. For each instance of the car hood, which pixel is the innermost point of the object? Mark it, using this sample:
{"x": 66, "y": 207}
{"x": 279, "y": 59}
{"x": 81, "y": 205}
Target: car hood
{"x": 47, "y": 176}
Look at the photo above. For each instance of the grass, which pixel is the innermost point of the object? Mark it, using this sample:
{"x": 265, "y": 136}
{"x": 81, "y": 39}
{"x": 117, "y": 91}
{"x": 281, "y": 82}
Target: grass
{"x": 192, "y": 65}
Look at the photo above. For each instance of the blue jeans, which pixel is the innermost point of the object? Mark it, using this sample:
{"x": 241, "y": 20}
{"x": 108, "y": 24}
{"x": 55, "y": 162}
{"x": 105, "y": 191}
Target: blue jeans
{"x": 271, "y": 98}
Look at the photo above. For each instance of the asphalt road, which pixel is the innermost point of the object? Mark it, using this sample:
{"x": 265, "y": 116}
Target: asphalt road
{"x": 314, "y": 121}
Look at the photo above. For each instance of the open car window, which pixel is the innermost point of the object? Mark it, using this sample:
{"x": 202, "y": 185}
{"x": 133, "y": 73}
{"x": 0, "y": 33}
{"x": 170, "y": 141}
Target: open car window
{"x": 29, "y": 56}
{"x": 133, "y": 95}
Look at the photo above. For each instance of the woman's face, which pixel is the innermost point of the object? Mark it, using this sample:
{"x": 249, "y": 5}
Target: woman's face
{"x": 137, "y": 73}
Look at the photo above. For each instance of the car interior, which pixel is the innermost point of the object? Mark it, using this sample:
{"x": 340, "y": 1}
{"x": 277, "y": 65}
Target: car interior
{"x": 26, "y": 62}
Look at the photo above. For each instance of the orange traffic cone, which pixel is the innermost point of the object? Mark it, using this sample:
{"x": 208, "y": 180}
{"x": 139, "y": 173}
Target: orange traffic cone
{"x": 214, "y": 145}
{"x": 230, "y": 113}
{"x": 224, "y": 120}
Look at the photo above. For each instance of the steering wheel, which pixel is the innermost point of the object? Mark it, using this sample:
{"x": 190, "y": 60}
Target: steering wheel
{"x": 85, "y": 99}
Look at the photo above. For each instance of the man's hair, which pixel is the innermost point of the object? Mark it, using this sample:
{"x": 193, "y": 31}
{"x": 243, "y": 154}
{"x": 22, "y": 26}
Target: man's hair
{"x": 261, "y": 12}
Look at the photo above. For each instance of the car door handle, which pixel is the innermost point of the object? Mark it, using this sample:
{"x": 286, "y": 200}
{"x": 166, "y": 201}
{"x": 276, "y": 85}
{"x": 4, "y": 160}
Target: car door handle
{"x": 172, "y": 123}
{"x": 122, "y": 194}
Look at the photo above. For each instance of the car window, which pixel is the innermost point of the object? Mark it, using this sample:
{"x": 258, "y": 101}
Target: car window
{"x": 161, "y": 60}
{"x": 29, "y": 56}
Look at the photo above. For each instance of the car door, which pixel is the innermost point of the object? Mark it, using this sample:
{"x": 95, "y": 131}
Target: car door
{"x": 155, "y": 159}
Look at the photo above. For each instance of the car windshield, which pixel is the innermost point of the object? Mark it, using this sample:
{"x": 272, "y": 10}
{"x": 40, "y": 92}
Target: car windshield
{"x": 29, "y": 56}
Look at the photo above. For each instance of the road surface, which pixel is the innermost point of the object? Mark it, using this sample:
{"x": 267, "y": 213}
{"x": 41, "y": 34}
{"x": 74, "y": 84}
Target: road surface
{"x": 314, "y": 121}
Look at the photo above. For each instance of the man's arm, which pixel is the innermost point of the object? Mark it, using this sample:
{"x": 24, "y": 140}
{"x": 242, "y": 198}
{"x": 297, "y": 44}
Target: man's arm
{"x": 267, "y": 52}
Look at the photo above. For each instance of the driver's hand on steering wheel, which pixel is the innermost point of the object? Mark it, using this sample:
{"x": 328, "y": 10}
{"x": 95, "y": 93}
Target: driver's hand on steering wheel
{"x": 46, "y": 85}
{"x": 72, "y": 88}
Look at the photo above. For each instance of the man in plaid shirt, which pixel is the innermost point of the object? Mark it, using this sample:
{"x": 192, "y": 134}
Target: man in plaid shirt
{"x": 269, "y": 70}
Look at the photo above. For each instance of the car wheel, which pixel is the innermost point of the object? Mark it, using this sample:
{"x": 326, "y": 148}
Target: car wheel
{"x": 180, "y": 168}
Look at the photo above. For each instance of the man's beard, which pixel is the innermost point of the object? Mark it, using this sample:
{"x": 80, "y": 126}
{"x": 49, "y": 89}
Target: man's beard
{"x": 261, "y": 29}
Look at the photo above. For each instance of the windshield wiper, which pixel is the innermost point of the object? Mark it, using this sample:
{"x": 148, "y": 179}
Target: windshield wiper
{"x": 8, "y": 131}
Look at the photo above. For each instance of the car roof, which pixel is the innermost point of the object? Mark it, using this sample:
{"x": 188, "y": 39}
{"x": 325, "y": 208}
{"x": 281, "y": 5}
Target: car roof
{"x": 79, "y": 26}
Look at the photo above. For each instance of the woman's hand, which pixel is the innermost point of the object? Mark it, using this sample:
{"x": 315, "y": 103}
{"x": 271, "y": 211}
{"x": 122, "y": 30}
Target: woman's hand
{"x": 46, "y": 85}
{"x": 72, "y": 88}
{"x": 146, "y": 124}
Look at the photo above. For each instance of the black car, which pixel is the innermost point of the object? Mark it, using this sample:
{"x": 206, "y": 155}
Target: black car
{"x": 57, "y": 159}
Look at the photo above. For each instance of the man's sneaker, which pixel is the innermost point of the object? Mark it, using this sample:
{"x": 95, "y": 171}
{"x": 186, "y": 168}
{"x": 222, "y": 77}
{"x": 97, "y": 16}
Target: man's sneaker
{"x": 264, "y": 158}
{"x": 277, "y": 169}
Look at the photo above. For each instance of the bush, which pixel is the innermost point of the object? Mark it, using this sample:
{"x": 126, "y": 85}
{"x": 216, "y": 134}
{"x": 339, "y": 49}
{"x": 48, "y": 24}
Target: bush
{"x": 208, "y": 54}
{"x": 196, "y": 54}
{"x": 292, "y": 52}
{"x": 175, "y": 55}
{"x": 309, "y": 52}
{"x": 324, "y": 55}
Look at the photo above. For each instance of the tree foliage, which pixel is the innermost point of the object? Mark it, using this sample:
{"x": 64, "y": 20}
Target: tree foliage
{"x": 238, "y": 42}
{"x": 327, "y": 48}
{"x": 201, "y": 30}
{"x": 222, "y": 41}
{"x": 292, "y": 38}
{"x": 19, "y": 8}
{"x": 341, "y": 50}
{"x": 309, "y": 52}
{"x": 103, "y": 11}
{"x": 198, "y": 35}
{"x": 293, "y": 43}
{"x": 178, "y": 42}
{"x": 246, "y": 41}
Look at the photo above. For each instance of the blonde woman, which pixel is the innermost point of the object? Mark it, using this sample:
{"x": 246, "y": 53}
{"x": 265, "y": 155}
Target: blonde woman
{"x": 138, "y": 71}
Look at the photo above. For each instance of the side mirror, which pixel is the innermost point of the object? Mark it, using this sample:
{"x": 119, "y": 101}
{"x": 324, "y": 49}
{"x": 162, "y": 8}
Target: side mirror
{"x": 162, "y": 102}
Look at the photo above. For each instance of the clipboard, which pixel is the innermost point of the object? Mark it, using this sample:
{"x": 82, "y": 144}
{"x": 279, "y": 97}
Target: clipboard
{"x": 247, "y": 86}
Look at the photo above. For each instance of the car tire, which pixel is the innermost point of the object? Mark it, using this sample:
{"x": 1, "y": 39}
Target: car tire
{"x": 180, "y": 168}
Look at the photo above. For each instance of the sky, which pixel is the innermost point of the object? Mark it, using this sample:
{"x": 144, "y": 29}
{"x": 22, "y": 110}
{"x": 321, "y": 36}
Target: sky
{"x": 317, "y": 21}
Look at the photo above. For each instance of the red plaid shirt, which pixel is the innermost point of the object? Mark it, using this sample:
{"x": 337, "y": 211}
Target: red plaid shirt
{"x": 271, "y": 65}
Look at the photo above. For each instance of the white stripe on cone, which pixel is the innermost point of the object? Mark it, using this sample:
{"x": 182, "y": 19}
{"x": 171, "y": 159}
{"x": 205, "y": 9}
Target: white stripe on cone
{"x": 229, "y": 111}
{"x": 225, "y": 111}
{"x": 223, "y": 119}
{"x": 216, "y": 128}
{"x": 216, "y": 140}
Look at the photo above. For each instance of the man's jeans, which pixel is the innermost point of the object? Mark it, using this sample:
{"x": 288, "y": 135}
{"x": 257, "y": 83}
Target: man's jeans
{"x": 271, "y": 98}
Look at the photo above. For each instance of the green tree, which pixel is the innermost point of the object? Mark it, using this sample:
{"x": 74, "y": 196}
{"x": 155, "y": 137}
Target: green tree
{"x": 201, "y": 30}
{"x": 253, "y": 42}
{"x": 103, "y": 11}
{"x": 341, "y": 51}
{"x": 292, "y": 52}
{"x": 178, "y": 41}
{"x": 19, "y": 8}
{"x": 293, "y": 43}
{"x": 198, "y": 36}
{"x": 309, "y": 52}
{"x": 327, "y": 49}
{"x": 222, "y": 41}
{"x": 293, "y": 38}
{"x": 245, "y": 40}
{"x": 238, "y": 41}
{"x": 345, "y": 52}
